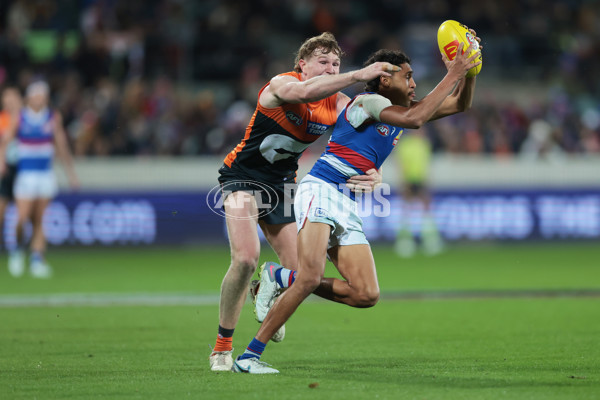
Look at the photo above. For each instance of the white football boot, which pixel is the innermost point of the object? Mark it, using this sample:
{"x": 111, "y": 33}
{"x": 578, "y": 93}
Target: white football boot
{"x": 267, "y": 290}
{"x": 253, "y": 366}
{"x": 16, "y": 263}
{"x": 265, "y": 301}
{"x": 221, "y": 361}
{"x": 40, "y": 269}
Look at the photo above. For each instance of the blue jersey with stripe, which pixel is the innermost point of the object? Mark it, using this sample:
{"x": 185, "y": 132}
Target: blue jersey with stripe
{"x": 353, "y": 151}
{"x": 35, "y": 143}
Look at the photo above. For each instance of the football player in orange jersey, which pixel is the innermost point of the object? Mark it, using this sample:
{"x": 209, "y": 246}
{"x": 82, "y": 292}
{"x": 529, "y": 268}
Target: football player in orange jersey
{"x": 293, "y": 110}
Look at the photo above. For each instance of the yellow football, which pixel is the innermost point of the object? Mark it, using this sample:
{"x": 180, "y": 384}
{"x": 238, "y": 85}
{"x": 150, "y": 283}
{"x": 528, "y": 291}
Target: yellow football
{"x": 450, "y": 34}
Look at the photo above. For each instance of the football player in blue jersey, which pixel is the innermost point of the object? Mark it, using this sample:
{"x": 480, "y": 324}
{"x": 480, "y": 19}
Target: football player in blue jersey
{"x": 39, "y": 134}
{"x": 326, "y": 213}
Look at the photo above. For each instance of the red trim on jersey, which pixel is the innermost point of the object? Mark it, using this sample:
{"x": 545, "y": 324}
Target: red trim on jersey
{"x": 355, "y": 159}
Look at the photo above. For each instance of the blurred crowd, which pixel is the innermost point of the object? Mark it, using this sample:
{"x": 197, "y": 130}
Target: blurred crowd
{"x": 180, "y": 77}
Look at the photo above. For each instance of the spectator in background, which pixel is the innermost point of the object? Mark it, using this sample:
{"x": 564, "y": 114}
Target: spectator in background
{"x": 11, "y": 106}
{"x": 554, "y": 48}
{"x": 38, "y": 132}
{"x": 541, "y": 143}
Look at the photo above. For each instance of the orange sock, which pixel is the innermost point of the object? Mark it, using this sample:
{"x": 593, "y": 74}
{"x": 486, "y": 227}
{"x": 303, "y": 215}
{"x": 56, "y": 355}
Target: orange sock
{"x": 223, "y": 343}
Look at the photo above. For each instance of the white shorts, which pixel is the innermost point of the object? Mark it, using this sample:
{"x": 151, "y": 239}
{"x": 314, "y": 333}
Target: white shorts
{"x": 35, "y": 185}
{"x": 318, "y": 201}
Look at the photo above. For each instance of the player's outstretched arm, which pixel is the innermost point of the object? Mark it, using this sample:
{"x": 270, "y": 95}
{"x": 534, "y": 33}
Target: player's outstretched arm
{"x": 418, "y": 113}
{"x": 286, "y": 89}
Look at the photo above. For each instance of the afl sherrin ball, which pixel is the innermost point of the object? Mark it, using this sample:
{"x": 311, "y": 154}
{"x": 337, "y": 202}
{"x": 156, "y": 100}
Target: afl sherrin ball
{"x": 450, "y": 35}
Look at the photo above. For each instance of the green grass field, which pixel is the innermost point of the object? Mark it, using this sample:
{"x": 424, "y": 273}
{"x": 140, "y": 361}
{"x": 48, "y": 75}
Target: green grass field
{"x": 478, "y": 322}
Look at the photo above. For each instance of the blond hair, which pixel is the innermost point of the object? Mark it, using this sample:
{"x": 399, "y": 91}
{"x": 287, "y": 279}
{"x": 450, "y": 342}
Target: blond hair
{"x": 325, "y": 41}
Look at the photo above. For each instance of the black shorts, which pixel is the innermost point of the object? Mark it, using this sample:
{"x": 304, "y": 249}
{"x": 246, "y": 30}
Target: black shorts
{"x": 275, "y": 201}
{"x": 7, "y": 182}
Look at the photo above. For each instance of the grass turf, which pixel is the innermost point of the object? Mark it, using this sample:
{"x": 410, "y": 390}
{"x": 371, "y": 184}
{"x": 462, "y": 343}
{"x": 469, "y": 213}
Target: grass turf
{"x": 494, "y": 348}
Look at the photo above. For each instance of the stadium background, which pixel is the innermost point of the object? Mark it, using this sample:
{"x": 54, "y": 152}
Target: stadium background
{"x": 154, "y": 93}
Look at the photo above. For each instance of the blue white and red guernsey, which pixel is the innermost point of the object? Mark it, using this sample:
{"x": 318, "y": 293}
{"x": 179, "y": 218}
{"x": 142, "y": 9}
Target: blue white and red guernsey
{"x": 35, "y": 140}
{"x": 353, "y": 151}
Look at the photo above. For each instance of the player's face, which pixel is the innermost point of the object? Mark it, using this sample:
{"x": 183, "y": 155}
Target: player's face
{"x": 319, "y": 63}
{"x": 37, "y": 101}
{"x": 404, "y": 85}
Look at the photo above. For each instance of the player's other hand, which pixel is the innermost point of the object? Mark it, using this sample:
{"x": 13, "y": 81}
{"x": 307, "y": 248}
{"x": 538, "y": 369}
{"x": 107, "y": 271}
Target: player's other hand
{"x": 375, "y": 70}
{"x": 476, "y": 38}
{"x": 365, "y": 183}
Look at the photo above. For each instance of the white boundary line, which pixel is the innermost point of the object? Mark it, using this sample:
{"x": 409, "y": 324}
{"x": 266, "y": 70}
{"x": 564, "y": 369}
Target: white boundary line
{"x": 107, "y": 299}
{"x": 189, "y": 299}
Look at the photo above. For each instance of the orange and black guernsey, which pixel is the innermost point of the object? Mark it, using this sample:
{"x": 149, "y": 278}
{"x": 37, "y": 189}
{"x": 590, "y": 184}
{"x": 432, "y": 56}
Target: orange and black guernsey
{"x": 276, "y": 137}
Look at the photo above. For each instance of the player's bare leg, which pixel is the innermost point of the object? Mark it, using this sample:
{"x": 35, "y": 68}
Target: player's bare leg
{"x": 242, "y": 218}
{"x": 16, "y": 258}
{"x": 312, "y": 252}
{"x": 39, "y": 268}
{"x": 282, "y": 238}
{"x": 312, "y": 255}
{"x": 24, "y": 212}
{"x": 360, "y": 287}
{"x": 38, "y": 239}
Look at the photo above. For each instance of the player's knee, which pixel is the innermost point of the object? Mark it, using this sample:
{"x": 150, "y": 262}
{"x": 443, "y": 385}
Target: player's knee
{"x": 308, "y": 284}
{"x": 245, "y": 261}
{"x": 368, "y": 298}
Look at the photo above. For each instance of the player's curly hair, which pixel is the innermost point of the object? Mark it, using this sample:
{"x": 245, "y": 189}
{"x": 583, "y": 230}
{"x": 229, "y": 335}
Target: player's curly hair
{"x": 395, "y": 57}
{"x": 325, "y": 41}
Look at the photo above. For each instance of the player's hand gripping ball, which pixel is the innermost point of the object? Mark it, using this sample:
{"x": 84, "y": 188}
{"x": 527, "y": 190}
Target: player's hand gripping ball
{"x": 450, "y": 35}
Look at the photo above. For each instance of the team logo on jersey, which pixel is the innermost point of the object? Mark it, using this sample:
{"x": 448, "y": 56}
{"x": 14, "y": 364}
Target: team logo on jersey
{"x": 294, "y": 118}
{"x": 383, "y": 130}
